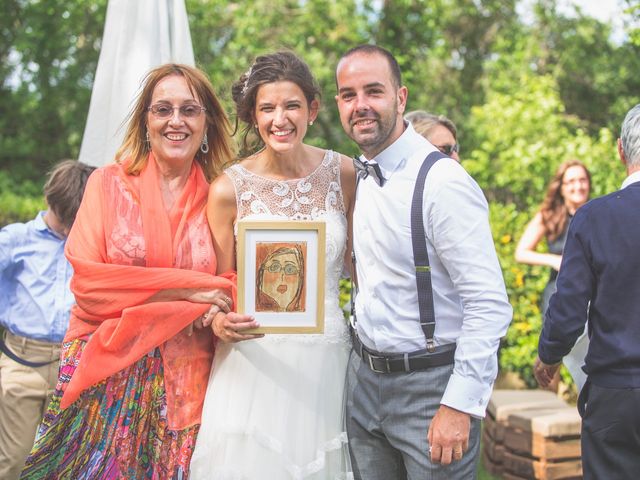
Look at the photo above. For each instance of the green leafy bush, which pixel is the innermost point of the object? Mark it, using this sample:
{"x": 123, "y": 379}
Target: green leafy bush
{"x": 19, "y": 201}
{"x": 524, "y": 287}
{"x": 522, "y": 137}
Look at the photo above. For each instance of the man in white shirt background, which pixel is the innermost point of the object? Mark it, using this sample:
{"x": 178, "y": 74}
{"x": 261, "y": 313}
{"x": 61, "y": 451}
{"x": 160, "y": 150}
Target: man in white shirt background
{"x": 409, "y": 416}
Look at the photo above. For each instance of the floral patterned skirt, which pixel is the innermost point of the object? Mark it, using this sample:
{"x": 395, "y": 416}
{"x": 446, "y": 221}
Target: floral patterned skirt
{"x": 115, "y": 430}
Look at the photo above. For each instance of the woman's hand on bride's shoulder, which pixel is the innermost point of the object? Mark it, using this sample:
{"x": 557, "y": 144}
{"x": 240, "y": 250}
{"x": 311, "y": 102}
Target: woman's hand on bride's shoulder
{"x": 230, "y": 327}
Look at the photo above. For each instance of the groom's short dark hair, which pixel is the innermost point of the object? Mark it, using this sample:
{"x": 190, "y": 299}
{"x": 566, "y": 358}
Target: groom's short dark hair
{"x": 369, "y": 49}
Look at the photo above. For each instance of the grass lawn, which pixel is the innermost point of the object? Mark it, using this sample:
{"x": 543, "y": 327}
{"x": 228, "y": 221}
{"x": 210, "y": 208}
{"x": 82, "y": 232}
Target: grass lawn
{"x": 483, "y": 474}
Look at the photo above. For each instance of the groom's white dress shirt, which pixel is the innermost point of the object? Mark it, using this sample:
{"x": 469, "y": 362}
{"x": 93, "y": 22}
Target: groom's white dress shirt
{"x": 470, "y": 301}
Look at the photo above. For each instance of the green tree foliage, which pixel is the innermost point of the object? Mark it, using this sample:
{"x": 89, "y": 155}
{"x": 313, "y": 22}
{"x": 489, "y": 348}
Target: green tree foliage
{"x": 227, "y": 41}
{"x": 596, "y": 77}
{"x": 523, "y": 136}
{"x": 521, "y": 139}
{"x": 48, "y": 64}
{"x": 442, "y": 47}
{"x": 633, "y": 24}
{"x": 18, "y": 202}
{"x": 524, "y": 288}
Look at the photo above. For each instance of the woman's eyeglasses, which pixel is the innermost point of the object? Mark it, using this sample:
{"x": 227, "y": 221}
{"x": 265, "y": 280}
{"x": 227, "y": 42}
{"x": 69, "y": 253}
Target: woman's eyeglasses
{"x": 448, "y": 149}
{"x": 575, "y": 181}
{"x": 186, "y": 111}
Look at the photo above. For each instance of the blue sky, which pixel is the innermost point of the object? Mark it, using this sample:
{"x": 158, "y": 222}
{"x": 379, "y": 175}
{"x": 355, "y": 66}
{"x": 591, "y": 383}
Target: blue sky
{"x": 601, "y": 9}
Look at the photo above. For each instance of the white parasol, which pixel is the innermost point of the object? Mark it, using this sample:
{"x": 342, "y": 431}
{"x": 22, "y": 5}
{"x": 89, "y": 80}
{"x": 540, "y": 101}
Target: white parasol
{"x": 138, "y": 35}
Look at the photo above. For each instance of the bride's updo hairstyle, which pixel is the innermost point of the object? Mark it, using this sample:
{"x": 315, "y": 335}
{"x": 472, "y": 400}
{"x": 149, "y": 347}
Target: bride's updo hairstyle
{"x": 274, "y": 67}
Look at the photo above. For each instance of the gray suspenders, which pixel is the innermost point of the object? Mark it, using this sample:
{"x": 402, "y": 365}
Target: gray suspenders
{"x": 420, "y": 255}
{"x": 431, "y": 356}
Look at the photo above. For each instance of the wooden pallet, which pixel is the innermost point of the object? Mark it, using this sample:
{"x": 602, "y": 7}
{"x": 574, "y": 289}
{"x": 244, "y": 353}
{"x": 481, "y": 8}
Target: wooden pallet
{"x": 494, "y": 450}
{"x": 505, "y": 402}
{"x": 532, "y": 468}
{"x": 535, "y": 445}
{"x": 560, "y": 422}
{"x": 511, "y": 476}
{"x": 491, "y": 467}
{"x": 532, "y": 435}
{"x": 493, "y": 428}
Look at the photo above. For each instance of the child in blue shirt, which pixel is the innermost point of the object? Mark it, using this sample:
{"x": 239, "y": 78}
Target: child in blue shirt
{"x": 35, "y": 301}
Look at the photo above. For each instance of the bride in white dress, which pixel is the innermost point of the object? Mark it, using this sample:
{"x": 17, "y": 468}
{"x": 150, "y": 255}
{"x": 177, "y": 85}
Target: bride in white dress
{"x": 274, "y": 404}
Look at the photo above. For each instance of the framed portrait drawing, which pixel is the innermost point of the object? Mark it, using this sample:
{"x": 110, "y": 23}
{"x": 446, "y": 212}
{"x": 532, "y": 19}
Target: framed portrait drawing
{"x": 281, "y": 275}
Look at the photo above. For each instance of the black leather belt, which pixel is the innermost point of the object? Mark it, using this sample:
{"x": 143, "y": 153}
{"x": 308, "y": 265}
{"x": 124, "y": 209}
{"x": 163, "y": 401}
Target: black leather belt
{"x": 404, "y": 362}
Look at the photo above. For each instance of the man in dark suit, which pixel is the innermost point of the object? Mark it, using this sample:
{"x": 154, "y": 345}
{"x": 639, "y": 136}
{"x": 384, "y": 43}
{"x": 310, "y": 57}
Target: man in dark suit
{"x": 600, "y": 274}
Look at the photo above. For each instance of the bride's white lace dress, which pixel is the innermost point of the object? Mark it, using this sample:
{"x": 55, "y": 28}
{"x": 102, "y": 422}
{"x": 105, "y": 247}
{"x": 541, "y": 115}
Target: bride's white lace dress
{"x": 274, "y": 406}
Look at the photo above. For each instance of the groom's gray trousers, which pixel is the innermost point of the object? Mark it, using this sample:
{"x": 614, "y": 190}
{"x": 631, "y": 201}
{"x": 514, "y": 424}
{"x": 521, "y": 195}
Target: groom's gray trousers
{"x": 388, "y": 417}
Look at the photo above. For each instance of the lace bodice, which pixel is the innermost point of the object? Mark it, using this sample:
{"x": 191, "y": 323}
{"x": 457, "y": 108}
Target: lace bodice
{"x": 299, "y": 199}
{"x": 317, "y": 197}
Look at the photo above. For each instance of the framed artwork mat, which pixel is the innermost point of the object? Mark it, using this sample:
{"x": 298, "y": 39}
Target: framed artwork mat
{"x": 281, "y": 269}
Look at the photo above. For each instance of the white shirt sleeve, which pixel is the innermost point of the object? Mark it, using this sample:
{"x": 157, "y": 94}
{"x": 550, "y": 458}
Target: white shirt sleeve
{"x": 456, "y": 215}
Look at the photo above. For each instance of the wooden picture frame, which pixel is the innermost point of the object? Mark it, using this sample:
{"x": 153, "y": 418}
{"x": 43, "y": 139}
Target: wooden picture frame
{"x": 281, "y": 274}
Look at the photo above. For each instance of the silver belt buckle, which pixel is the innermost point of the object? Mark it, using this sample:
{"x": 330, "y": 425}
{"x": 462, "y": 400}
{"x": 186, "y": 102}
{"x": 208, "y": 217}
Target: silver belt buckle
{"x": 371, "y": 357}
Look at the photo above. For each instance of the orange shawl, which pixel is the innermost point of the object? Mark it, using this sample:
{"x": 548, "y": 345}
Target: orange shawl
{"x": 124, "y": 248}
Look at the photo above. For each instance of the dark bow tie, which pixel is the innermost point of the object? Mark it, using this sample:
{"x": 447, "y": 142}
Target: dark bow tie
{"x": 364, "y": 169}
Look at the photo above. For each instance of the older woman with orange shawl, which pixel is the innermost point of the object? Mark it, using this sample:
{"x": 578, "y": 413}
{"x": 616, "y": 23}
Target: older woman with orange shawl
{"x": 133, "y": 370}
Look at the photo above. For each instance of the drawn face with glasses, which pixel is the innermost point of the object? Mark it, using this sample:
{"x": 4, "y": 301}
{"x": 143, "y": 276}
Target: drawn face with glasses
{"x": 175, "y": 138}
{"x": 280, "y": 280}
{"x": 288, "y": 268}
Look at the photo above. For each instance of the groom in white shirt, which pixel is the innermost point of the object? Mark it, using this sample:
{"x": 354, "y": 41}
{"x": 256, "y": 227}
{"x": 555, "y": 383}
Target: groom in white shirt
{"x": 411, "y": 414}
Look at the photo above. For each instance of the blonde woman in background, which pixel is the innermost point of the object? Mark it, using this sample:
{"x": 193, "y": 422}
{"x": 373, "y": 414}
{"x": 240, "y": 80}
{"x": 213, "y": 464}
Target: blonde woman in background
{"x": 438, "y": 129}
